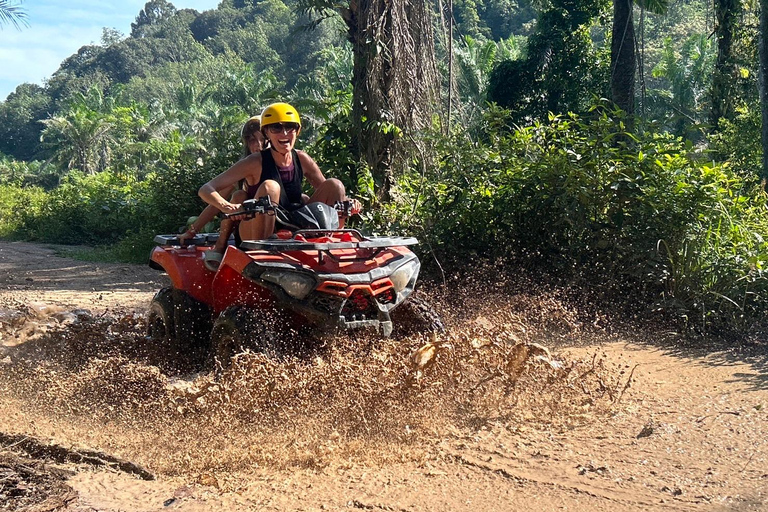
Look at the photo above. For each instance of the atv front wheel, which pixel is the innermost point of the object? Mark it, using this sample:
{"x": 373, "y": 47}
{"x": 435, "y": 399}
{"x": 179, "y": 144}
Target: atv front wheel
{"x": 160, "y": 325}
{"x": 176, "y": 326}
{"x": 237, "y": 329}
{"x": 415, "y": 316}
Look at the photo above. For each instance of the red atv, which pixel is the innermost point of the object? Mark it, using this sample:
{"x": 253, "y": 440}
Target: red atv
{"x": 267, "y": 294}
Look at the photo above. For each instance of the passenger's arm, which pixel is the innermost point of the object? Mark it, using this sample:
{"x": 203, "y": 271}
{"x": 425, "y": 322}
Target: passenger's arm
{"x": 206, "y": 216}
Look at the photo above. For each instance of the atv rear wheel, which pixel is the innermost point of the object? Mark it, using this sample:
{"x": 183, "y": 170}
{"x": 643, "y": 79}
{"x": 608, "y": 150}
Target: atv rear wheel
{"x": 160, "y": 325}
{"x": 415, "y": 316}
{"x": 237, "y": 329}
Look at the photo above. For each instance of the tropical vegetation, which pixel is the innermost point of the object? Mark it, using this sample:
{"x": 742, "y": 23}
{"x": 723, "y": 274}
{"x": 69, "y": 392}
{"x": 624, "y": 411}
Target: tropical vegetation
{"x": 613, "y": 146}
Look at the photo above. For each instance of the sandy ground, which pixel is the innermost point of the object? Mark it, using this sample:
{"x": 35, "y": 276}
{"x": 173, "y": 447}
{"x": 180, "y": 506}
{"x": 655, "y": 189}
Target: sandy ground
{"x": 632, "y": 423}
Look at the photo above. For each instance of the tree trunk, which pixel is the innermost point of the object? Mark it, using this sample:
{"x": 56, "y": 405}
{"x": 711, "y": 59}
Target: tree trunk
{"x": 623, "y": 61}
{"x": 394, "y": 82}
{"x": 764, "y": 86}
{"x": 726, "y": 14}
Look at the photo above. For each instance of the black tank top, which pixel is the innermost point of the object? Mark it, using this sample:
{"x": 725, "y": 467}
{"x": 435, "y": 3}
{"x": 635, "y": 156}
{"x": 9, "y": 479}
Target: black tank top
{"x": 290, "y": 192}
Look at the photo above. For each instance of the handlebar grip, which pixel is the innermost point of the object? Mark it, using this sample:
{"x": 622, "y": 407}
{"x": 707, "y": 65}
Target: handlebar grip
{"x": 253, "y": 207}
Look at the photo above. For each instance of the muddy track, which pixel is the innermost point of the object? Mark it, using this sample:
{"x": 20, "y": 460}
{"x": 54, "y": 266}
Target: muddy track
{"x": 605, "y": 423}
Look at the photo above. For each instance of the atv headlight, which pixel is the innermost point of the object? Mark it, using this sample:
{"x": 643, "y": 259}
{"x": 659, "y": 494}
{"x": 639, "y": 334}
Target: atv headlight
{"x": 402, "y": 276}
{"x": 295, "y": 284}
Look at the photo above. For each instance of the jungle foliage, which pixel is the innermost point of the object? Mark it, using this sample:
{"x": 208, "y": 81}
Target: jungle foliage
{"x": 656, "y": 207}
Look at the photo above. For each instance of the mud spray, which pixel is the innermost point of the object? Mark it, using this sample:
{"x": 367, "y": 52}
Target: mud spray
{"x": 92, "y": 381}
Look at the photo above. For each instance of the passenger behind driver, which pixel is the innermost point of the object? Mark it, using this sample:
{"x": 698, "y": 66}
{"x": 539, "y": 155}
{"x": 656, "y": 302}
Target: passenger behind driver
{"x": 253, "y": 142}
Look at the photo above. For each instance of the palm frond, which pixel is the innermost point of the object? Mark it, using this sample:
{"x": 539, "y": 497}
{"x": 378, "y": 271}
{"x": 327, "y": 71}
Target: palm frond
{"x": 11, "y": 13}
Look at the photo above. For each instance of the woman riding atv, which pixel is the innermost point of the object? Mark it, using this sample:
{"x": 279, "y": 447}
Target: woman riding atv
{"x": 277, "y": 172}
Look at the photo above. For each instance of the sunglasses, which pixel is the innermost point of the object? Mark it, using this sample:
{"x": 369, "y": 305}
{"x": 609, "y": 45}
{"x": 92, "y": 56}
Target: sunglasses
{"x": 282, "y": 127}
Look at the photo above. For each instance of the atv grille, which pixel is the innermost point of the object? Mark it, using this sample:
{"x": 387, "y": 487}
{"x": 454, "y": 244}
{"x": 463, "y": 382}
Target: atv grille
{"x": 360, "y": 305}
{"x": 328, "y": 304}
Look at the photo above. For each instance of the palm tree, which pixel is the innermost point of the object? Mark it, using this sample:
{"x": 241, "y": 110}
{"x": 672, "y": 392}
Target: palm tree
{"x": 394, "y": 78}
{"x": 475, "y": 65}
{"x": 81, "y": 136}
{"x": 10, "y": 13}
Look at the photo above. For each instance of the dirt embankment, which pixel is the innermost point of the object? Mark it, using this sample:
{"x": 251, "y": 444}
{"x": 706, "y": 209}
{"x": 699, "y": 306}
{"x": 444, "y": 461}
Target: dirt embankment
{"x": 523, "y": 404}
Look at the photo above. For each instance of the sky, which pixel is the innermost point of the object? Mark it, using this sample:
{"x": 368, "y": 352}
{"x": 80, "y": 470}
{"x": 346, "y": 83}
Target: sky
{"x": 58, "y": 28}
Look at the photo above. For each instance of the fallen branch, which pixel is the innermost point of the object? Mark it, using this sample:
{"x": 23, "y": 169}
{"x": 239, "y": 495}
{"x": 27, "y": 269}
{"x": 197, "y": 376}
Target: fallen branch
{"x": 38, "y": 449}
{"x": 628, "y": 384}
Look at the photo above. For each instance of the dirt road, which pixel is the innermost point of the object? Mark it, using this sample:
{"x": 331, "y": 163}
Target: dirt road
{"x": 604, "y": 424}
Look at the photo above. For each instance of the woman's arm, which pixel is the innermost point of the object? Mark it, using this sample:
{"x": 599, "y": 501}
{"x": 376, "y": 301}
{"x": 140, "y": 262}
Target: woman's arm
{"x": 206, "y": 216}
{"x": 247, "y": 167}
{"x": 311, "y": 170}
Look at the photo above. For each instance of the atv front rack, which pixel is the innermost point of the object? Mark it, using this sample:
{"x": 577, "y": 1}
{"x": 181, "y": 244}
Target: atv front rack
{"x": 299, "y": 242}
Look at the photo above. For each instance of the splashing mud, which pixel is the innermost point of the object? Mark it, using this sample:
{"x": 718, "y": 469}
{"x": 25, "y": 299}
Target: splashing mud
{"x": 357, "y": 398}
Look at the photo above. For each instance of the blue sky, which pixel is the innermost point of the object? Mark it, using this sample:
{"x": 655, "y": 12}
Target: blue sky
{"x": 58, "y": 28}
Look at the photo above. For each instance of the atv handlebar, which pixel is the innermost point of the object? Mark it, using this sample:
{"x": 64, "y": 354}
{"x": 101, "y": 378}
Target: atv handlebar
{"x": 348, "y": 207}
{"x": 253, "y": 207}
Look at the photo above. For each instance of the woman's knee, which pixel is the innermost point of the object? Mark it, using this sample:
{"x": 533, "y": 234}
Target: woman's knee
{"x": 238, "y": 196}
{"x": 330, "y": 190}
{"x": 335, "y": 185}
{"x": 269, "y": 188}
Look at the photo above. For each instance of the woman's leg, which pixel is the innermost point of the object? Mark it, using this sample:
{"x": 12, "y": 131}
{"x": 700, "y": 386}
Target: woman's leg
{"x": 262, "y": 226}
{"x": 329, "y": 192}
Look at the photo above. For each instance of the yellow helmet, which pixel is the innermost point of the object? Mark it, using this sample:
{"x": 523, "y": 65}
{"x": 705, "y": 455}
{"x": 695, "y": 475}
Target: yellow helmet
{"x": 251, "y": 125}
{"x": 279, "y": 113}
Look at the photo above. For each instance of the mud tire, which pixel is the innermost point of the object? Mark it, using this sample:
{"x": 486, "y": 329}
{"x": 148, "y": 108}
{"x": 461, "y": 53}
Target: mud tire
{"x": 160, "y": 323}
{"x": 178, "y": 327}
{"x": 236, "y": 330}
{"x": 415, "y": 316}
{"x": 193, "y": 323}
{"x": 161, "y": 330}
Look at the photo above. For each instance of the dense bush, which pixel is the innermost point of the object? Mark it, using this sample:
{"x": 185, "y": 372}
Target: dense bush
{"x": 643, "y": 215}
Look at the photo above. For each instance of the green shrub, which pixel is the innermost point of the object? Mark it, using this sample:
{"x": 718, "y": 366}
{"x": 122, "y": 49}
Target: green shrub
{"x": 17, "y": 207}
{"x": 643, "y": 215}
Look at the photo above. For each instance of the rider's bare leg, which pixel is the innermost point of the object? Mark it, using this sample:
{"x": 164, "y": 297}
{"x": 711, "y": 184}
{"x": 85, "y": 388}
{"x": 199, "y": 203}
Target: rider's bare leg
{"x": 228, "y": 225}
{"x": 330, "y": 191}
{"x": 261, "y": 226}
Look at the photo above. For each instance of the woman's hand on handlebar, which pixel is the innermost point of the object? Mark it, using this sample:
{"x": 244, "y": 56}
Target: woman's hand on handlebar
{"x": 230, "y": 208}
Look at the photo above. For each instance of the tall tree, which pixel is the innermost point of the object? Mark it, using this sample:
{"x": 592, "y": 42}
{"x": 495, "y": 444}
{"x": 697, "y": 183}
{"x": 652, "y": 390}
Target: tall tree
{"x": 11, "y": 13}
{"x": 154, "y": 12}
{"x": 394, "y": 78}
{"x": 723, "y": 81}
{"x": 561, "y": 70}
{"x": 623, "y": 57}
{"x": 764, "y": 86}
